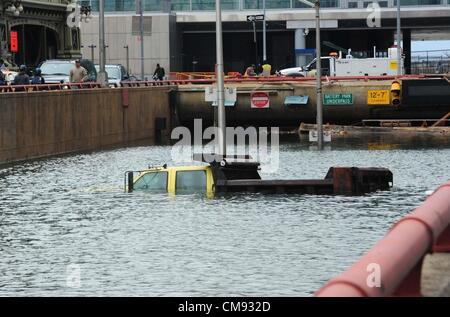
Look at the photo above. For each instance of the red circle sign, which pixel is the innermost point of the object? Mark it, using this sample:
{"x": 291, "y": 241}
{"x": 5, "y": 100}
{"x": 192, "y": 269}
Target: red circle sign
{"x": 260, "y": 100}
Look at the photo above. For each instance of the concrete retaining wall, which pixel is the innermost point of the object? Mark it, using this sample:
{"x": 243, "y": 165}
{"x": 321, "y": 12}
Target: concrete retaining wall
{"x": 38, "y": 124}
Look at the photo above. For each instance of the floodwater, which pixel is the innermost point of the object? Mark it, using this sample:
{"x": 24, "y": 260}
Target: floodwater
{"x": 67, "y": 227}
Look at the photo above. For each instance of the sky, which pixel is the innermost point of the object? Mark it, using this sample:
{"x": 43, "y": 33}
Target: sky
{"x": 430, "y": 45}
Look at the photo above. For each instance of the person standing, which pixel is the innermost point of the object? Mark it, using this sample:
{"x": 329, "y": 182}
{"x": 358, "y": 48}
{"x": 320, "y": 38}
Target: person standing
{"x": 266, "y": 69}
{"x": 22, "y": 78}
{"x": 2, "y": 79}
{"x": 78, "y": 74}
{"x": 159, "y": 73}
{"x": 250, "y": 71}
{"x": 37, "y": 78}
{"x": 2, "y": 65}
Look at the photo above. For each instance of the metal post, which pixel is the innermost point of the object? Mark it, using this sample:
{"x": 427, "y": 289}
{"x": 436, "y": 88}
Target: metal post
{"x": 256, "y": 42}
{"x": 127, "y": 59}
{"x": 92, "y": 46}
{"x": 319, "y": 118}
{"x": 141, "y": 32}
{"x": 264, "y": 31}
{"x": 220, "y": 83}
{"x": 24, "y": 45}
{"x": 102, "y": 77}
{"x": 399, "y": 47}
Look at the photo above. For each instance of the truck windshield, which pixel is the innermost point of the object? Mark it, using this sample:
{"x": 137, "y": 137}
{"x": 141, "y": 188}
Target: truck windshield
{"x": 152, "y": 181}
{"x": 311, "y": 66}
{"x": 191, "y": 181}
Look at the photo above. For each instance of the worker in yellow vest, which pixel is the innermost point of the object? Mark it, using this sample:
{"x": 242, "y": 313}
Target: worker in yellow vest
{"x": 266, "y": 69}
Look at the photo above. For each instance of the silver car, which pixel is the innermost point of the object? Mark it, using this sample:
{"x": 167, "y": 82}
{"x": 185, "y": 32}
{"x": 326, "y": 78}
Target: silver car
{"x": 116, "y": 74}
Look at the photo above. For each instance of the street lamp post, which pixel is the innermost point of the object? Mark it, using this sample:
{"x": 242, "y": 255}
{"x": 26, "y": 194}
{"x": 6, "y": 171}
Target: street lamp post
{"x": 13, "y": 7}
{"x": 92, "y": 46}
{"x": 128, "y": 59}
{"x": 264, "y": 32}
{"x": 221, "y": 127}
{"x": 319, "y": 108}
{"x": 140, "y": 11}
{"x": 256, "y": 42}
{"x": 399, "y": 47}
{"x": 102, "y": 77}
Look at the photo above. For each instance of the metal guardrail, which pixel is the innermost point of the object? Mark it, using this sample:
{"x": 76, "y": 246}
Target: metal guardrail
{"x": 180, "y": 82}
{"x": 270, "y": 79}
{"x": 47, "y": 87}
{"x": 400, "y": 253}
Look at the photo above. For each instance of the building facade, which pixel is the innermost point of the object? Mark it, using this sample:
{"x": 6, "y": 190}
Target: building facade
{"x": 41, "y": 28}
{"x": 180, "y": 34}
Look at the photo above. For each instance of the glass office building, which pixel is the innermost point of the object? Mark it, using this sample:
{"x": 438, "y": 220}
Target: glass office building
{"x": 208, "y": 5}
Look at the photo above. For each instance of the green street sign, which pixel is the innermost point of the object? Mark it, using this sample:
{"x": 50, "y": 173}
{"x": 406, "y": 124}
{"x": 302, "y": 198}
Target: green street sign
{"x": 338, "y": 99}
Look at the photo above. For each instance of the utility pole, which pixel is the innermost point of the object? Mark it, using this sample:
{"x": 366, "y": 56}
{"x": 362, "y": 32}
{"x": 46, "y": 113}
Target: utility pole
{"x": 256, "y": 42}
{"x": 127, "y": 54}
{"x": 140, "y": 11}
{"x": 319, "y": 108}
{"x": 92, "y": 46}
{"x": 102, "y": 76}
{"x": 220, "y": 83}
{"x": 399, "y": 47}
{"x": 319, "y": 118}
{"x": 264, "y": 32}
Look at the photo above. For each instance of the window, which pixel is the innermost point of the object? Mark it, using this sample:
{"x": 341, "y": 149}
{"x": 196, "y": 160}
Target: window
{"x": 270, "y": 4}
{"x": 190, "y": 181}
{"x": 382, "y": 4}
{"x": 113, "y": 72}
{"x": 311, "y": 66}
{"x": 352, "y": 5}
{"x": 418, "y": 2}
{"x": 152, "y": 181}
{"x": 323, "y": 4}
{"x": 123, "y": 72}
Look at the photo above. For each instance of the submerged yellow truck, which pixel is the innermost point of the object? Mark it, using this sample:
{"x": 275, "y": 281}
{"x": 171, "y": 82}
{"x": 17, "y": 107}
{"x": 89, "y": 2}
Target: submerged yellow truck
{"x": 175, "y": 179}
{"x": 236, "y": 174}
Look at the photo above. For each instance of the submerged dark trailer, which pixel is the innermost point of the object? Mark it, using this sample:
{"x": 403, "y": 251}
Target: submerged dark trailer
{"x": 243, "y": 176}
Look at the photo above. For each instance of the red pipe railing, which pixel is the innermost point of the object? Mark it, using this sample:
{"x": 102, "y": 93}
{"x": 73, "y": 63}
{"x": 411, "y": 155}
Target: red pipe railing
{"x": 400, "y": 253}
{"x": 180, "y": 82}
{"x": 44, "y": 87}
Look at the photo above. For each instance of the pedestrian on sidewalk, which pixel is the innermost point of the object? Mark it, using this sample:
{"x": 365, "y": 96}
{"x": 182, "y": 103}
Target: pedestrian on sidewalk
{"x": 159, "y": 73}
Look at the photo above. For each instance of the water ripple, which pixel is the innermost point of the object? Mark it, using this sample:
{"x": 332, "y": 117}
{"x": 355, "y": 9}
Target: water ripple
{"x": 71, "y": 210}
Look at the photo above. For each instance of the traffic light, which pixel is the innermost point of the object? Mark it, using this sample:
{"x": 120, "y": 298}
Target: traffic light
{"x": 396, "y": 91}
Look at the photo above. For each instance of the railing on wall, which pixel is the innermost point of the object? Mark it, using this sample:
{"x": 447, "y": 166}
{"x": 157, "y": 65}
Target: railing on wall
{"x": 394, "y": 266}
{"x": 179, "y": 79}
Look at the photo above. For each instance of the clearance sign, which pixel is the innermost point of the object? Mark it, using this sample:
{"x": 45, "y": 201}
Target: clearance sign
{"x": 14, "y": 42}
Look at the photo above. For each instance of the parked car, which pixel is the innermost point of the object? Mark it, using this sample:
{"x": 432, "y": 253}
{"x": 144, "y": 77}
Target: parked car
{"x": 116, "y": 74}
{"x": 58, "y": 71}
